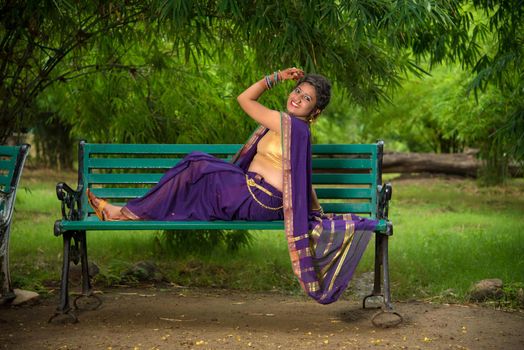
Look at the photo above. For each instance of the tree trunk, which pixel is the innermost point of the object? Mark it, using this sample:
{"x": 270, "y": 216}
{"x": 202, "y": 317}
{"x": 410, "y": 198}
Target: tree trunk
{"x": 463, "y": 164}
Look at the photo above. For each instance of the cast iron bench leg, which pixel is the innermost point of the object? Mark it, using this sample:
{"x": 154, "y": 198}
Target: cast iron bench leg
{"x": 7, "y": 294}
{"x": 64, "y": 308}
{"x": 382, "y": 270}
{"x": 87, "y": 291}
{"x": 377, "y": 291}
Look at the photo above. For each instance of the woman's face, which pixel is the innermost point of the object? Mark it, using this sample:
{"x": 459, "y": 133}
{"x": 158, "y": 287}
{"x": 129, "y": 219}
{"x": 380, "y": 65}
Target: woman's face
{"x": 302, "y": 100}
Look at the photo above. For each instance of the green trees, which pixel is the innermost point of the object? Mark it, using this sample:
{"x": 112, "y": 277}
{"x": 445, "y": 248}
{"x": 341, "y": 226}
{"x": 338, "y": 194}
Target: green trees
{"x": 501, "y": 66}
{"x": 168, "y": 70}
{"x": 479, "y": 105}
{"x": 44, "y": 42}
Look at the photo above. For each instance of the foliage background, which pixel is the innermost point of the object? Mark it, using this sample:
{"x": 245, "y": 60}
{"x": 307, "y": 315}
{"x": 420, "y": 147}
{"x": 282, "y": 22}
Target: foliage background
{"x": 168, "y": 71}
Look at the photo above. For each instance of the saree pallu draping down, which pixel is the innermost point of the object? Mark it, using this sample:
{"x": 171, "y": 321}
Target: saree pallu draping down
{"x": 324, "y": 251}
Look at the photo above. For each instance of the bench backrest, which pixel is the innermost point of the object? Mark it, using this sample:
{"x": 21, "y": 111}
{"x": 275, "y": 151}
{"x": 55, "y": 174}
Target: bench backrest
{"x": 12, "y": 160}
{"x": 345, "y": 176}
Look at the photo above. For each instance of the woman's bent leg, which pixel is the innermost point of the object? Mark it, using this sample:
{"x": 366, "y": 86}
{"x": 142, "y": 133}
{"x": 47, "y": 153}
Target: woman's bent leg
{"x": 202, "y": 187}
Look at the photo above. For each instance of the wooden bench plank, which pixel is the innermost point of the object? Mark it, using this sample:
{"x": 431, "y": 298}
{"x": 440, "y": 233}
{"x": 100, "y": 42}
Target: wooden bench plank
{"x": 216, "y": 148}
{"x": 123, "y": 178}
{"x": 338, "y": 208}
{"x": 345, "y": 149}
{"x": 344, "y": 179}
{"x": 182, "y": 149}
{"x": 348, "y": 193}
{"x": 132, "y": 163}
{"x": 5, "y": 181}
{"x": 94, "y": 224}
{"x": 355, "y": 208}
{"x": 166, "y": 163}
{"x": 9, "y": 151}
{"x": 154, "y": 178}
{"x": 7, "y": 163}
{"x": 342, "y": 163}
{"x": 328, "y": 193}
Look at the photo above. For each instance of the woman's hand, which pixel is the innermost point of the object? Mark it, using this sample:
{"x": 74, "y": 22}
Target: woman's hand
{"x": 248, "y": 100}
{"x": 291, "y": 74}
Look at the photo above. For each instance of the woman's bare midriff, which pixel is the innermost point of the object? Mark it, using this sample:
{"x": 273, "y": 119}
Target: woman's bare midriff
{"x": 264, "y": 168}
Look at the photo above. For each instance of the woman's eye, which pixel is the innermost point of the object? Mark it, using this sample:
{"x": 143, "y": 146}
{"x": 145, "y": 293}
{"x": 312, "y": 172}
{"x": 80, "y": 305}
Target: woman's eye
{"x": 297, "y": 90}
{"x": 308, "y": 98}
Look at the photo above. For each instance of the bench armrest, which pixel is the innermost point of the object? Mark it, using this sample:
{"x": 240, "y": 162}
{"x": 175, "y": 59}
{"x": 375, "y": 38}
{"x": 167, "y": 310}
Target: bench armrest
{"x": 384, "y": 196}
{"x": 71, "y": 201}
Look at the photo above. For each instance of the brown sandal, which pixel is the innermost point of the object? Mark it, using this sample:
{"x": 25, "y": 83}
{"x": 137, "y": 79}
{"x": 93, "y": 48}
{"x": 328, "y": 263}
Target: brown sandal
{"x": 99, "y": 210}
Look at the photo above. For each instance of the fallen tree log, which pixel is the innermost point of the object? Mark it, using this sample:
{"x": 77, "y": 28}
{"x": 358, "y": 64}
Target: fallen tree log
{"x": 463, "y": 164}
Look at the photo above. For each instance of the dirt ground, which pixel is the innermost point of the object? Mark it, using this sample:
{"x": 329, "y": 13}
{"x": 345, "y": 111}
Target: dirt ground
{"x": 181, "y": 318}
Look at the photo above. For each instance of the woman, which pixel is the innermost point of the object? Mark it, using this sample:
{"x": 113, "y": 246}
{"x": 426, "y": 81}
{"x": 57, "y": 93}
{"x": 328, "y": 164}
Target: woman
{"x": 269, "y": 179}
{"x": 180, "y": 193}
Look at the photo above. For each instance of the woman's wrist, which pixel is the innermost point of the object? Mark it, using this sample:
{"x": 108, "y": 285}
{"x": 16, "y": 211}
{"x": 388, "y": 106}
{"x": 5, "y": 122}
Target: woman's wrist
{"x": 271, "y": 80}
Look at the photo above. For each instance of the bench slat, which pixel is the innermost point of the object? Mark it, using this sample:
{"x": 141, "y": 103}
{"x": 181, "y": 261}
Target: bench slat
{"x": 340, "y": 208}
{"x": 215, "y": 148}
{"x": 7, "y": 163}
{"x": 124, "y": 193}
{"x": 132, "y": 163}
{"x": 96, "y": 225}
{"x": 123, "y": 178}
{"x": 343, "y": 179}
{"x": 345, "y": 149}
{"x": 160, "y": 148}
{"x": 342, "y": 164}
{"x": 331, "y": 193}
{"x": 92, "y": 223}
{"x": 166, "y": 163}
{"x": 341, "y": 193}
{"x": 154, "y": 178}
{"x": 9, "y": 151}
{"x": 5, "y": 181}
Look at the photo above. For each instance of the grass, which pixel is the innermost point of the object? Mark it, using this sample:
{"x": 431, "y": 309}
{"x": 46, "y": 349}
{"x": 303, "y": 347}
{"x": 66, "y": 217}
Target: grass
{"x": 453, "y": 233}
{"x": 449, "y": 233}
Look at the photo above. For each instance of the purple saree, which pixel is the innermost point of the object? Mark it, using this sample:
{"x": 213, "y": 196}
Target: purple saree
{"x": 202, "y": 187}
{"x": 324, "y": 251}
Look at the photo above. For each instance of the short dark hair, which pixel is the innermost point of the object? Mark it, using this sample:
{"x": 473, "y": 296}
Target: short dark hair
{"x": 322, "y": 88}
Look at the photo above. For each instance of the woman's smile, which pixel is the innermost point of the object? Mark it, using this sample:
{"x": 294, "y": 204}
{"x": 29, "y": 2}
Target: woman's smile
{"x": 302, "y": 100}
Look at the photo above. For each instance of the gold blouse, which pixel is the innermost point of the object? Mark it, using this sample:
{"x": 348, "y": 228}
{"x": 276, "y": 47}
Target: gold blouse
{"x": 269, "y": 149}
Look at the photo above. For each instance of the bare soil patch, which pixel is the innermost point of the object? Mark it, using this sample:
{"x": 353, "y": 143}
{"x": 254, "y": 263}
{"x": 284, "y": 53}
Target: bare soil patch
{"x": 181, "y": 318}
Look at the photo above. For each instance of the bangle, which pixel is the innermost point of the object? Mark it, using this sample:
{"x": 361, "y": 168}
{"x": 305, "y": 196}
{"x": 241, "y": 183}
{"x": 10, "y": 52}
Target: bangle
{"x": 276, "y": 79}
{"x": 268, "y": 82}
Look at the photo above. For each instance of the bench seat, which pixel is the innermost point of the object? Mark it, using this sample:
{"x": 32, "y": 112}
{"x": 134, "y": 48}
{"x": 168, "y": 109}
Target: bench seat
{"x": 93, "y": 224}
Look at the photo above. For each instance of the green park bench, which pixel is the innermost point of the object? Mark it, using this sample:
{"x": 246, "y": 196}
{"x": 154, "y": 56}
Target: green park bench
{"x": 347, "y": 178}
{"x": 12, "y": 159}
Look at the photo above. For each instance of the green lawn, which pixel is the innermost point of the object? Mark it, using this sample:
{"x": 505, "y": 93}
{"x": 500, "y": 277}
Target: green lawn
{"x": 448, "y": 234}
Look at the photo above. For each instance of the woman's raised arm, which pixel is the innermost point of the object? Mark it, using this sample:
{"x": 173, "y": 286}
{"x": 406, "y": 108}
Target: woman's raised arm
{"x": 248, "y": 99}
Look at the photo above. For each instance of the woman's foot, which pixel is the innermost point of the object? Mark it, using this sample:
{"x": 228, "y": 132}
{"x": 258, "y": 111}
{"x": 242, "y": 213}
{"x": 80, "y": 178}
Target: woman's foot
{"x": 103, "y": 210}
